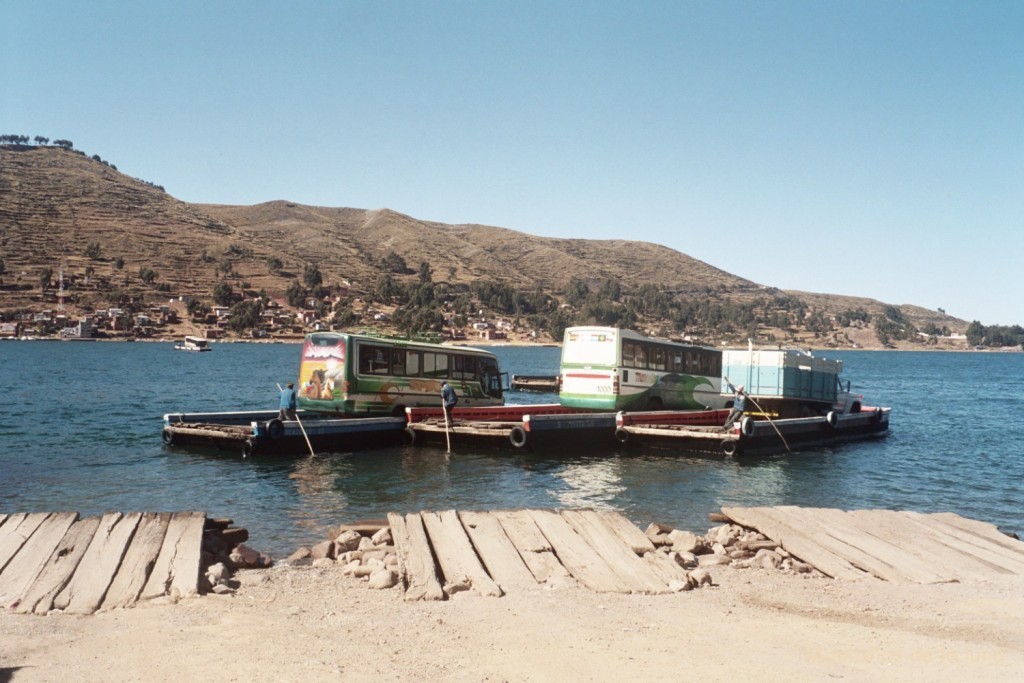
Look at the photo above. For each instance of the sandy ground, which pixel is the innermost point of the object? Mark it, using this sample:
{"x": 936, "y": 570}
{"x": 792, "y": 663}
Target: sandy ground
{"x": 314, "y": 624}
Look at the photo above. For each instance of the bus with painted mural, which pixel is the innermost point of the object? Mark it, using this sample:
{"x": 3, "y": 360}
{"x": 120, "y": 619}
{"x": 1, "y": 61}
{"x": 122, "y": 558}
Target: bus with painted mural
{"x": 357, "y": 374}
{"x": 611, "y": 369}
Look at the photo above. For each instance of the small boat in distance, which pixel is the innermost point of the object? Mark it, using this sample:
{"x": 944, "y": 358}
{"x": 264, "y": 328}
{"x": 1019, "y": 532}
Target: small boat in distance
{"x": 194, "y": 344}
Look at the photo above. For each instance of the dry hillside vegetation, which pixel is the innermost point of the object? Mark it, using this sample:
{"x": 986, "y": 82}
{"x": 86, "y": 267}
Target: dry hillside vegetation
{"x": 55, "y": 203}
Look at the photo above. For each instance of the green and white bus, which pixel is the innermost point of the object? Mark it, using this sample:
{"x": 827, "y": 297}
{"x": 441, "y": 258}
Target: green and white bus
{"x": 367, "y": 375}
{"x": 606, "y": 368}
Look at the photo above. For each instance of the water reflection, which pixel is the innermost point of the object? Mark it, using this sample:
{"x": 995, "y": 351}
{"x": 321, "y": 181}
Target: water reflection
{"x": 590, "y": 483}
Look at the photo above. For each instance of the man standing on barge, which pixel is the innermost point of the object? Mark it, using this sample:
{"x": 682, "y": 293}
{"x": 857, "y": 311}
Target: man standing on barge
{"x": 739, "y": 404}
{"x": 287, "y": 404}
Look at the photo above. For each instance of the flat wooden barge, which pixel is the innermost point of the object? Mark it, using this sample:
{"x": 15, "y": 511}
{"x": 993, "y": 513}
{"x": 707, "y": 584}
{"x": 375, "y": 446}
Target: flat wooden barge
{"x": 539, "y": 383}
{"x": 703, "y": 431}
{"x": 257, "y": 433}
{"x": 530, "y": 427}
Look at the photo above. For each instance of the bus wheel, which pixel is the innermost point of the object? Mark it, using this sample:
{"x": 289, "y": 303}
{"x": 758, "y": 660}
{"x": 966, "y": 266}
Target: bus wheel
{"x": 168, "y": 436}
{"x": 411, "y": 436}
{"x": 517, "y": 436}
{"x": 728, "y": 447}
{"x": 622, "y": 436}
{"x": 275, "y": 428}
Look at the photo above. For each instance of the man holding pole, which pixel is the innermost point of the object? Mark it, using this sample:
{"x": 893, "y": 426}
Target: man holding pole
{"x": 739, "y": 404}
{"x": 287, "y": 403}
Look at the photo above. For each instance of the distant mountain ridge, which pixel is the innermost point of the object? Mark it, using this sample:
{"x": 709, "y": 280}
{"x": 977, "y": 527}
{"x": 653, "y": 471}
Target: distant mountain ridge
{"x": 55, "y": 203}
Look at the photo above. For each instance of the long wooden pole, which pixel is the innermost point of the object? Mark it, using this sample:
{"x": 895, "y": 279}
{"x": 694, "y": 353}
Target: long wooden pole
{"x": 763, "y": 412}
{"x": 447, "y": 434}
{"x": 303, "y": 429}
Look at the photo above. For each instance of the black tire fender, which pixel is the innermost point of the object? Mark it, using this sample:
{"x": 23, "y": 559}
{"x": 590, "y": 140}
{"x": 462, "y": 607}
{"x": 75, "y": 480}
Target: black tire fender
{"x": 728, "y": 447}
{"x": 622, "y": 436}
{"x": 517, "y": 437}
{"x": 832, "y": 418}
{"x": 248, "y": 448}
{"x": 168, "y": 436}
{"x": 275, "y": 428}
{"x": 747, "y": 426}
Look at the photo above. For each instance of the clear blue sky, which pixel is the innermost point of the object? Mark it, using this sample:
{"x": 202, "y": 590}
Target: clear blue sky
{"x": 865, "y": 148}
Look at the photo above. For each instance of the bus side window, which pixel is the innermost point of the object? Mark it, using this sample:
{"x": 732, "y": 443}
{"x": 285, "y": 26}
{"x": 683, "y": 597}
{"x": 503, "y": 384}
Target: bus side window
{"x": 658, "y": 356}
{"x": 365, "y": 360}
{"x": 435, "y": 365}
{"x": 641, "y": 356}
{"x": 412, "y": 363}
{"x": 677, "y": 362}
{"x": 628, "y": 354}
{"x": 398, "y": 362}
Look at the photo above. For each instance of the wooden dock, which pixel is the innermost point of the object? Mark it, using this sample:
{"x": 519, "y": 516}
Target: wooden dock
{"x": 494, "y": 552}
{"x": 58, "y": 561}
{"x": 907, "y": 547}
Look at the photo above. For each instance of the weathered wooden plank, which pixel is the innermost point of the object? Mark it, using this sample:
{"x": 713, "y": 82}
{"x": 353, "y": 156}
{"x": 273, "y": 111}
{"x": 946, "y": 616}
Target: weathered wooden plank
{"x": 804, "y": 546}
{"x": 176, "y": 571}
{"x": 917, "y": 540}
{"x": 14, "y": 534}
{"x": 84, "y": 593}
{"x": 416, "y": 561}
{"x": 989, "y": 558}
{"x": 1008, "y": 552}
{"x": 869, "y": 546}
{"x": 576, "y": 555}
{"x": 3, "y": 518}
{"x": 630, "y": 533}
{"x": 983, "y": 530}
{"x": 59, "y": 567}
{"x": 459, "y": 562}
{"x": 24, "y": 567}
{"x": 532, "y": 546}
{"x": 632, "y": 571}
{"x": 138, "y": 561}
{"x": 496, "y": 551}
{"x": 665, "y": 568}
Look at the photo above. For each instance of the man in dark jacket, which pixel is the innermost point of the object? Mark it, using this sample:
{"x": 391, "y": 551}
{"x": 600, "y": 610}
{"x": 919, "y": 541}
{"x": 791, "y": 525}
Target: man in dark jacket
{"x": 448, "y": 397}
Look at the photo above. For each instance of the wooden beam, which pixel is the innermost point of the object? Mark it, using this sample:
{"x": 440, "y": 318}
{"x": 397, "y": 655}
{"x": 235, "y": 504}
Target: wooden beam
{"x": 531, "y": 544}
{"x": 15, "y": 532}
{"x": 84, "y": 593}
{"x": 454, "y": 551}
{"x": 176, "y": 570}
{"x": 630, "y": 534}
{"x": 138, "y": 561}
{"x": 496, "y": 551}
{"x": 59, "y": 567}
{"x": 416, "y": 561}
{"x": 804, "y": 546}
{"x": 984, "y": 530}
{"x": 24, "y": 567}
{"x": 576, "y": 555}
{"x": 633, "y": 572}
{"x": 869, "y": 546}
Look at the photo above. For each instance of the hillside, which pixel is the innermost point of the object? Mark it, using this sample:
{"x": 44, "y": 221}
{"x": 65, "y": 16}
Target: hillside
{"x": 56, "y": 205}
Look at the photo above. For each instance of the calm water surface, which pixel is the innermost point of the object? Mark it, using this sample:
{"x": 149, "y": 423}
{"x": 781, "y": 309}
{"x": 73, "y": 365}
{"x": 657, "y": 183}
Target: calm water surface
{"x": 80, "y": 430}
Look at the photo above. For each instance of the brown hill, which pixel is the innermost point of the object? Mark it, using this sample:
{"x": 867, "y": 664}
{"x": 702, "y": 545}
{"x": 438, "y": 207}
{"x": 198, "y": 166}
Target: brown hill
{"x": 56, "y": 203}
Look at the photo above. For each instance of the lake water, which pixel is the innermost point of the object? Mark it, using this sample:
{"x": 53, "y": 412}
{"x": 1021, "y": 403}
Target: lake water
{"x": 80, "y": 430}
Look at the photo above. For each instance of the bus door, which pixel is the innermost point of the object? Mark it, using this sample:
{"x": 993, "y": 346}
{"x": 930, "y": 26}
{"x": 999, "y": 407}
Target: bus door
{"x": 491, "y": 379}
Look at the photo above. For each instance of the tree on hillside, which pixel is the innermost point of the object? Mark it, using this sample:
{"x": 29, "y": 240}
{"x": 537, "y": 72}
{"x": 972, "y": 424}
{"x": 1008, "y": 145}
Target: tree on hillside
{"x": 312, "y": 277}
{"x": 119, "y": 262}
{"x": 223, "y": 293}
{"x": 274, "y": 265}
{"x": 245, "y": 316}
{"x": 93, "y": 250}
{"x": 296, "y": 295}
{"x": 147, "y": 275}
{"x": 426, "y": 273}
{"x": 577, "y": 291}
{"x": 394, "y": 263}
{"x": 46, "y": 277}
{"x": 40, "y": 140}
